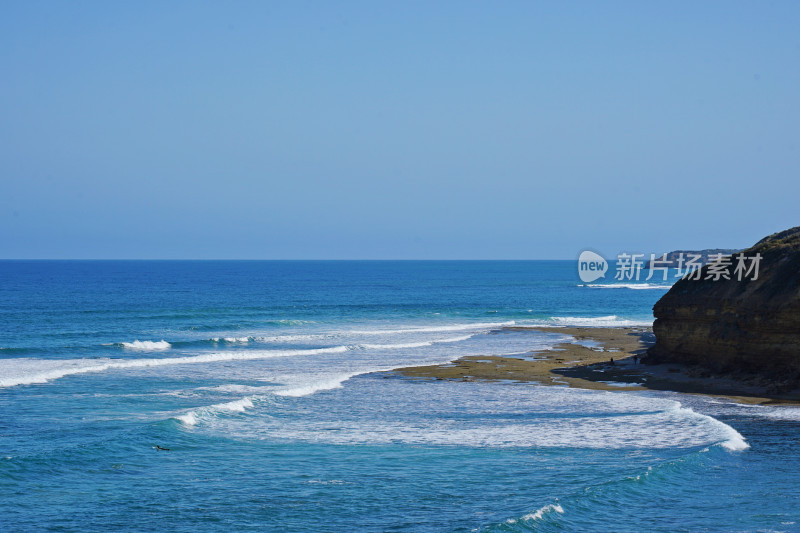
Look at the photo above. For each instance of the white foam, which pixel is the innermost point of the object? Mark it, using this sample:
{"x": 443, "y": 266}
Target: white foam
{"x": 327, "y": 383}
{"x": 637, "y": 286}
{"x": 149, "y": 346}
{"x": 28, "y": 371}
{"x": 436, "y": 329}
{"x": 528, "y": 416}
{"x": 415, "y": 337}
{"x": 539, "y": 513}
{"x": 776, "y": 412}
{"x": 303, "y": 386}
{"x": 295, "y": 338}
{"x": 232, "y": 340}
{"x": 396, "y": 346}
{"x": 237, "y": 339}
{"x": 310, "y": 383}
{"x": 415, "y": 344}
{"x": 290, "y": 322}
{"x": 236, "y": 406}
{"x": 598, "y": 321}
{"x": 620, "y": 384}
{"x": 355, "y": 333}
{"x": 189, "y": 419}
{"x": 235, "y": 388}
{"x": 735, "y": 443}
{"x": 192, "y": 417}
{"x": 733, "y": 440}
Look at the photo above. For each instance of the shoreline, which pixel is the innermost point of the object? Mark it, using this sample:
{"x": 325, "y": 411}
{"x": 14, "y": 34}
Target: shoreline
{"x": 585, "y": 362}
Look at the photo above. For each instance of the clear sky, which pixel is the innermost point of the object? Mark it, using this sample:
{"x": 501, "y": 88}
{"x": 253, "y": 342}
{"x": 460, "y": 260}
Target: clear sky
{"x": 395, "y": 130}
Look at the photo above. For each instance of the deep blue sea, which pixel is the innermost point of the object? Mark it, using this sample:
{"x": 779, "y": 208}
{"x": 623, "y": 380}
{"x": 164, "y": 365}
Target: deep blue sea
{"x": 260, "y": 378}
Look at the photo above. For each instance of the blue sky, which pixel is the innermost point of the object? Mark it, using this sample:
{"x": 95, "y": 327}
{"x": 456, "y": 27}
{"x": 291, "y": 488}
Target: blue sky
{"x": 405, "y": 130}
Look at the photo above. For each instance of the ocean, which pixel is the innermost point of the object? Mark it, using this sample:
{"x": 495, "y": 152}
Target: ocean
{"x": 262, "y": 382}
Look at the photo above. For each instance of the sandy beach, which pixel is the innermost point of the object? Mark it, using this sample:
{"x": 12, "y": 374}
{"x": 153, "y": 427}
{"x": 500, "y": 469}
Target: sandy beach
{"x": 602, "y": 359}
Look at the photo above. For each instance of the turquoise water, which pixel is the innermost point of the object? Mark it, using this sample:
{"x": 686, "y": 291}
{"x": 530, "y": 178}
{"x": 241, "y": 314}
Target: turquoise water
{"x": 259, "y": 379}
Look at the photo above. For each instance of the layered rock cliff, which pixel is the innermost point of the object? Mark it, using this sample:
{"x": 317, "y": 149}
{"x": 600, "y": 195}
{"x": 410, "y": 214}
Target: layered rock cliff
{"x": 731, "y": 326}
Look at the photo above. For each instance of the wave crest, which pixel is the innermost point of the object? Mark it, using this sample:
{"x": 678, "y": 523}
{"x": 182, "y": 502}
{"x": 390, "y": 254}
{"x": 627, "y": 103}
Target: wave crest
{"x": 29, "y": 371}
{"x": 146, "y": 346}
{"x": 636, "y": 286}
{"x": 598, "y": 321}
{"x": 539, "y": 513}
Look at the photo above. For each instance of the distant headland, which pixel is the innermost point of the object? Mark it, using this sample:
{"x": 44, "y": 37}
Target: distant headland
{"x": 673, "y": 259}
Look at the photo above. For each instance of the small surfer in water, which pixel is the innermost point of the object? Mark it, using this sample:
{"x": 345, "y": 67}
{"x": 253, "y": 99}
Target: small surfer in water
{"x": 162, "y": 449}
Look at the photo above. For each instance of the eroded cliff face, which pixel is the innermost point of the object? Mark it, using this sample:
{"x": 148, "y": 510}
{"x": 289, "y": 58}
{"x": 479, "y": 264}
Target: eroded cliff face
{"x": 730, "y": 326}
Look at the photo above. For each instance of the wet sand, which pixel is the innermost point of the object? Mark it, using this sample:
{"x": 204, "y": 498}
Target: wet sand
{"x": 586, "y": 362}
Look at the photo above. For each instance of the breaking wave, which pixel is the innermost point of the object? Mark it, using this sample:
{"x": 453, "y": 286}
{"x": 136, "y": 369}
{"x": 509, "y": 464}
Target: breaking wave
{"x": 436, "y": 329}
{"x": 539, "y": 513}
{"x": 237, "y": 406}
{"x": 146, "y": 346}
{"x": 30, "y": 371}
{"x": 415, "y": 344}
{"x": 636, "y": 286}
{"x": 599, "y": 321}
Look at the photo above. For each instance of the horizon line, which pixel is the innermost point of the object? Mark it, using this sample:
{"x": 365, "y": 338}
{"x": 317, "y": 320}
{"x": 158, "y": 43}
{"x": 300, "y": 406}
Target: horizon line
{"x": 264, "y": 259}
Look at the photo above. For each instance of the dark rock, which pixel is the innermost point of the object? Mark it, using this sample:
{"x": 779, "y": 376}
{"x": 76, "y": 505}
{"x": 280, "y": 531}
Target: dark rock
{"x": 747, "y": 326}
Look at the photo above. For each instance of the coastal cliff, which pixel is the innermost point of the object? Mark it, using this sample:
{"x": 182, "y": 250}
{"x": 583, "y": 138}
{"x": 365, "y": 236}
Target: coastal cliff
{"x": 739, "y": 327}
{"x": 676, "y": 258}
